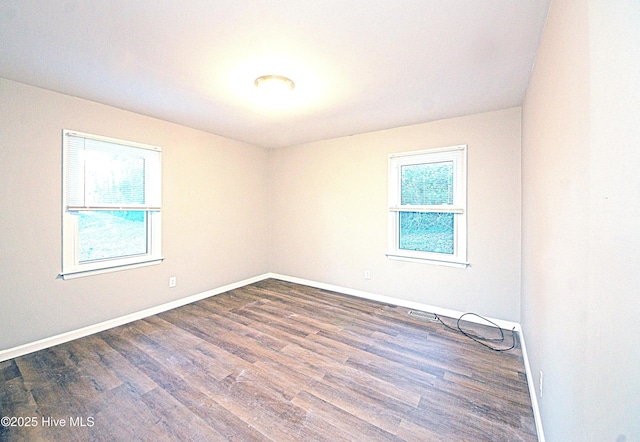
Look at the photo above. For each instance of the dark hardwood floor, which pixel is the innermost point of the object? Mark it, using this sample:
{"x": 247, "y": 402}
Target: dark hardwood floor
{"x": 272, "y": 361}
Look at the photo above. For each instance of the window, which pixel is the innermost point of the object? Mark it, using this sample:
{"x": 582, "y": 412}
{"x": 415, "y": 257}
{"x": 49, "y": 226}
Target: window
{"x": 110, "y": 204}
{"x": 428, "y": 206}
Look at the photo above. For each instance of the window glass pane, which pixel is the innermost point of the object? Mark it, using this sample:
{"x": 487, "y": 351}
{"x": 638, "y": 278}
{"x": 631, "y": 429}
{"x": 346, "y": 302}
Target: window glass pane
{"x": 427, "y": 184}
{"x": 111, "y": 234}
{"x": 113, "y": 178}
{"x": 427, "y": 232}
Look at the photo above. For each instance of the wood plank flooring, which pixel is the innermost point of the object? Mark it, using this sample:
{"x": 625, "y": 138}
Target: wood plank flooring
{"x": 272, "y": 361}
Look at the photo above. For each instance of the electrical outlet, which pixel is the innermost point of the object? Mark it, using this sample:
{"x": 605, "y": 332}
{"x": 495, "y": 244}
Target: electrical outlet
{"x": 541, "y": 379}
{"x": 172, "y": 282}
{"x": 367, "y": 274}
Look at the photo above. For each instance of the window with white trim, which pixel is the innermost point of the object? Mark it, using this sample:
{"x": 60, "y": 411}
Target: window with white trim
{"x": 111, "y": 204}
{"x": 428, "y": 206}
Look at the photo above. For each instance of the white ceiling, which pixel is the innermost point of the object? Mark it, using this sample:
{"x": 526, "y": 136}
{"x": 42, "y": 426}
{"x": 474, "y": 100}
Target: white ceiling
{"x": 358, "y": 65}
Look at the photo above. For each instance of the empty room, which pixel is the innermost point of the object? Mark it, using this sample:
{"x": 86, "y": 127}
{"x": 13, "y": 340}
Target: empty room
{"x": 304, "y": 221}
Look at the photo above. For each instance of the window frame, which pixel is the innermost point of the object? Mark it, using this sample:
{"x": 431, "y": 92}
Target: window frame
{"x": 457, "y": 154}
{"x": 72, "y": 267}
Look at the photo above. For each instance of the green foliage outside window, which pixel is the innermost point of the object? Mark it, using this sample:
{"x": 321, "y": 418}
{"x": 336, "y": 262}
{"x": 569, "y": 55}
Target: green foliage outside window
{"x": 423, "y": 185}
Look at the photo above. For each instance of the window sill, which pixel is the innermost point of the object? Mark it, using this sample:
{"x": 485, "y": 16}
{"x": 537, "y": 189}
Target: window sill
{"x": 461, "y": 265}
{"x": 83, "y": 273}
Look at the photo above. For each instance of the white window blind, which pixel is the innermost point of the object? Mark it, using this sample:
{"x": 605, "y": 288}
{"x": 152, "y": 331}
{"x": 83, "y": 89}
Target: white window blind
{"x": 103, "y": 175}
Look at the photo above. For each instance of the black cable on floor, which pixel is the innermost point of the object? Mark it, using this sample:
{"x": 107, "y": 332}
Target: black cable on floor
{"x": 480, "y": 339}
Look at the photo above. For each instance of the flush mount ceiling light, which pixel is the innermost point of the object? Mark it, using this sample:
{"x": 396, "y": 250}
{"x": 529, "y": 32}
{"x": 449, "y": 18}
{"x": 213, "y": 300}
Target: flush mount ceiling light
{"x": 274, "y": 84}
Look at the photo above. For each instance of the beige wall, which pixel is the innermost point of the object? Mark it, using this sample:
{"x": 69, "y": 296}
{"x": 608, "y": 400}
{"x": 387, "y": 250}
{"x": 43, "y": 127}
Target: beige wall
{"x": 329, "y": 214}
{"x": 214, "y": 198}
{"x": 220, "y": 225}
{"x": 581, "y": 221}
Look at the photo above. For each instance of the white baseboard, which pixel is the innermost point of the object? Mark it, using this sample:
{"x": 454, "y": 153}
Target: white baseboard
{"x": 507, "y": 325}
{"x": 532, "y": 390}
{"x": 96, "y": 328}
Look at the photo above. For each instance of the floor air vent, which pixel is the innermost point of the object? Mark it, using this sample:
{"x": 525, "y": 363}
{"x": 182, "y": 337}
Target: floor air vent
{"x": 427, "y": 316}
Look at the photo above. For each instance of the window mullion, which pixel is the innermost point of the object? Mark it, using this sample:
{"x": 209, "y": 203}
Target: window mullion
{"x": 427, "y": 209}
{"x": 113, "y": 208}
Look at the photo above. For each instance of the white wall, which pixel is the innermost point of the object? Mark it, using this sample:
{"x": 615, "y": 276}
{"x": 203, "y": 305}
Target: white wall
{"x": 555, "y": 157}
{"x": 329, "y": 214}
{"x": 581, "y": 221}
{"x": 214, "y": 201}
{"x": 612, "y": 405}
